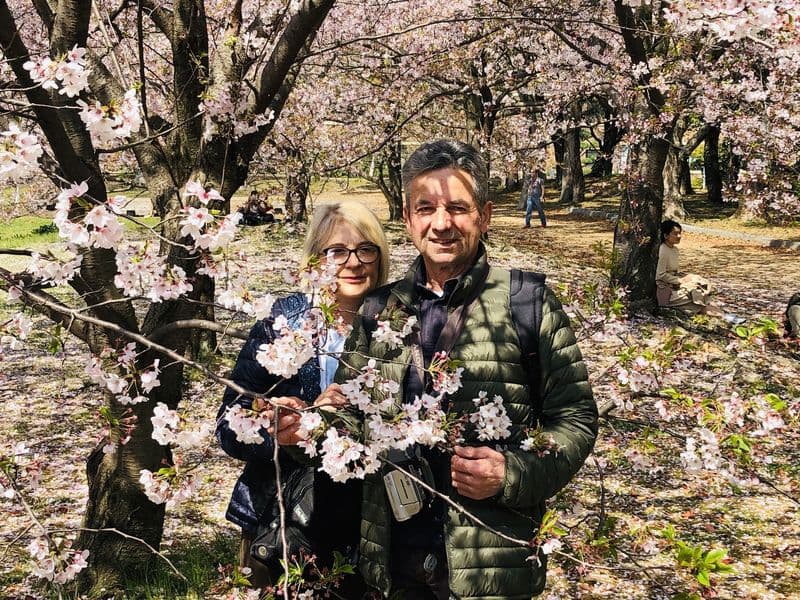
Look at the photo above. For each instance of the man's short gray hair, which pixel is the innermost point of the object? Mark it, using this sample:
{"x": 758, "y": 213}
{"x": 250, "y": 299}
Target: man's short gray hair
{"x": 443, "y": 154}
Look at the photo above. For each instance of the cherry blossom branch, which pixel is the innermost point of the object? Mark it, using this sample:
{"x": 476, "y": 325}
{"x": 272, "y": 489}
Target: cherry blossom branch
{"x": 197, "y": 324}
{"x": 150, "y": 138}
{"x": 48, "y": 305}
{"x": 64, "y": 311}
{"x": 129, "y": 537}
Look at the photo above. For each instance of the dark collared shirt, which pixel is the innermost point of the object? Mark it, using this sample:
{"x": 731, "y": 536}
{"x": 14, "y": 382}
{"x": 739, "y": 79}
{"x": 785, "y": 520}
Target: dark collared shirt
{"x": 425, "y": 530}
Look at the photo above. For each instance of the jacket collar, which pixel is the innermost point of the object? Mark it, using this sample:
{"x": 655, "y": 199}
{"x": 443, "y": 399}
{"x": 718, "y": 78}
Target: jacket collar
{"x": 405, "y": 292}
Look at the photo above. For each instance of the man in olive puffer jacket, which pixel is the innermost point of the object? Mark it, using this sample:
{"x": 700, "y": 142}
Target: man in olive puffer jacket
{"x": 441, "y": 553}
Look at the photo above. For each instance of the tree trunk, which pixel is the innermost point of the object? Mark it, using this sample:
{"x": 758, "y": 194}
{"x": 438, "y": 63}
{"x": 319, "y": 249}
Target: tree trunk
{"x": 572, "y": 182}
{"x": 673, "y": 199}
{"x": 603, "y": 166}
{"x": 685, "y": 176}
{"x": 297, "y": 183}
{"x": 203, "y": 342}
{"x": 713, "y": 174}
{"x": 559, "y": 150}
{"x": 636, "y": 234}
{"x": 117, "y": 500}
{"x": 390, "y": 178}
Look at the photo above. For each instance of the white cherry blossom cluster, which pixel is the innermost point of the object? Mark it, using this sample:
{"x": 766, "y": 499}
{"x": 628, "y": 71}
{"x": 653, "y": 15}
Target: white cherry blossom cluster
{"x": 167, "y": 486}
{"x": 640, "y": 375}
{"x": 318, "y": 281}
{"x": 16, "y": 329}
{"x": 344, "y": 458}
{"x": 55, "y": 560}
{"x": 394, "y": 338}
{"x": 769, "y": 420}
{"x": 196, "y": 223}
{"x": 19, "y": 154}
{"x": 20, "y": 466}
{"x": 53, "y": 270}
{"x": 196, "y": 189}
{"x": 142, "y": 271}
{"x": 197, "y": 220}
{"x": 67, "y": 74}
{"x": 122, "y": 385}
{"x": 732, "y": 20}
{"x": 169, "y": 429}
{"x": 247, "y": 424}
{"x": 292, "y": 348}
{"x": 702, "y": 451}
{"x": 99, "y": 228}
{"x": 114, "y": 121}
{"x": 237, "y": 296}
{"x": 228, "y": 113}
{"x": 491, "y": 421}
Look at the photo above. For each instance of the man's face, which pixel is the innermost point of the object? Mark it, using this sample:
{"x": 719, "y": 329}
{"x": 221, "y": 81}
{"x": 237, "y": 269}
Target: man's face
{"x": 444, "y": 222}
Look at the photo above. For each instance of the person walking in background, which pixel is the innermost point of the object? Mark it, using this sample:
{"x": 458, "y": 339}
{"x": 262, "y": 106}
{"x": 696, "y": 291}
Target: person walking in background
{"x": 535, "y": 198}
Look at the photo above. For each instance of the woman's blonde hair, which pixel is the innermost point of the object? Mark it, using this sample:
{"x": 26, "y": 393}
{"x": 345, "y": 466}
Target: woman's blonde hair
{"x": 327, "y": 217}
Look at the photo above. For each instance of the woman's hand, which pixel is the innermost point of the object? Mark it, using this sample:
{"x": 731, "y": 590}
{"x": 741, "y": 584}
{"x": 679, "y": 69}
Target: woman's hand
{"x": 284, "y": 429}
{"x": 331, "y": 398}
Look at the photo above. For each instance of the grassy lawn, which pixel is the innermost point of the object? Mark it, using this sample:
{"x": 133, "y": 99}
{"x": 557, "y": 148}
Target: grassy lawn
{"x": 23, "y": 232}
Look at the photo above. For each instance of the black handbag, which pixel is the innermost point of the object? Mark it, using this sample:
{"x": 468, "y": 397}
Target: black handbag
{"x": 298, "y": 499}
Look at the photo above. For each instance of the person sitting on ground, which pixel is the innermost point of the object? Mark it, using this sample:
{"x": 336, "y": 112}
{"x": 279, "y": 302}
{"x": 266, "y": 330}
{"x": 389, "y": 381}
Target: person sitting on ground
{"x": 350, "y": 235}
{"x": 685, "y": 291}
{"x": 792, "y": 316}
{"x": 265, "y": 211}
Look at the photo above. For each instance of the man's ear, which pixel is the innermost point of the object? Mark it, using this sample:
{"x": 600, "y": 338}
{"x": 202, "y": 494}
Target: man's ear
{"x": 486, "y": 217}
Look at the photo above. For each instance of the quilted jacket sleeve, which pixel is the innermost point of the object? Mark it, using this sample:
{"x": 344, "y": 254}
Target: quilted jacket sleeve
{"x": 250, "y": 375}
{"x": 569, "y": 415}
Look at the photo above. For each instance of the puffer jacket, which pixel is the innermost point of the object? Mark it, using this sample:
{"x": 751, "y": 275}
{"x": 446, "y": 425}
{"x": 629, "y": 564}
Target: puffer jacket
{"x": 480, "y": 563}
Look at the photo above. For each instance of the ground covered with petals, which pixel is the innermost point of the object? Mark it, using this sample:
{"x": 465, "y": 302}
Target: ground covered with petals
{"x": 645, "y": 514}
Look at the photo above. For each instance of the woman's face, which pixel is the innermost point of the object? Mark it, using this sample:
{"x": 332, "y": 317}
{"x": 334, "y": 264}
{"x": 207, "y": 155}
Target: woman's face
{"x": 673, "y": 237}
{"x": 354, "y": 277}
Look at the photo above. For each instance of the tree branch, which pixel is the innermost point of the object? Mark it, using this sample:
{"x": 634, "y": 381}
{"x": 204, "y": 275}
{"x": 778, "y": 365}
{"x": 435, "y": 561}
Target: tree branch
{"x": 197, "y": 324}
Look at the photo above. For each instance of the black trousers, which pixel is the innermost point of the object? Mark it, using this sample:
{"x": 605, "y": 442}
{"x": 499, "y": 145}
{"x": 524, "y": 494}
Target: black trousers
{"x": 419, "y": 574}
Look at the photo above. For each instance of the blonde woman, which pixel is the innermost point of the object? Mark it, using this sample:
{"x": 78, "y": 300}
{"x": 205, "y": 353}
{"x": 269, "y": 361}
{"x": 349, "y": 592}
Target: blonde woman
{"x": 348, "y": 234}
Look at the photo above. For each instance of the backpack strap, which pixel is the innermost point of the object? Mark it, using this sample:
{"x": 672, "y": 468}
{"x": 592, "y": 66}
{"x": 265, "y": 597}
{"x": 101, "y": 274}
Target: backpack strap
{"x": 374, "y": 304}
{"x": 526, "y": 298}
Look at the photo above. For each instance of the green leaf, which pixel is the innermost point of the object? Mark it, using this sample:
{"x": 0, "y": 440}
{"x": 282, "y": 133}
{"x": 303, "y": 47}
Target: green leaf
{"x": 703, "y": 578}
{"x": 714, "y": 556}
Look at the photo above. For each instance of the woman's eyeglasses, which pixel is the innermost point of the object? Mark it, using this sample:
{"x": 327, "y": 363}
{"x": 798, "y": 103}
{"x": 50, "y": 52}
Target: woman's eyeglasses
{"x": 366, "y": 254}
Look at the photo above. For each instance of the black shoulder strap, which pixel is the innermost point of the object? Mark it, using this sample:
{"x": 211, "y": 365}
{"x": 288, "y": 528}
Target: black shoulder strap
{"x": 526, "y": 299}
{"x": 374, "y": 304}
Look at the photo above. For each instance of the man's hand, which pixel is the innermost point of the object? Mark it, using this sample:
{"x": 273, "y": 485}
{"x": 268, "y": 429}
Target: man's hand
{"x": 288, "y": 421}
{"x": 477, "y": 472}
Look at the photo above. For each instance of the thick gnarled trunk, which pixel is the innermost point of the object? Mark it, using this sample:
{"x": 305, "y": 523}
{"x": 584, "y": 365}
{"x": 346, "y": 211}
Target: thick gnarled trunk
{"x": 573, "y": 185}
{"x": 713, "y": 172}
{"x": 390, "y": 178}
{"x": 636, "y": 239}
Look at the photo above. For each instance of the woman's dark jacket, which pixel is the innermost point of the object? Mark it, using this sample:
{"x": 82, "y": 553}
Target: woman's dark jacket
{"x": 337, "y": 512}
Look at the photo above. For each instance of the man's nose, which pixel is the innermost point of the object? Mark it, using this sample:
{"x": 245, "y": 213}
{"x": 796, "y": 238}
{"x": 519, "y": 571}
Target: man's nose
{"x": 441, "y": 218}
